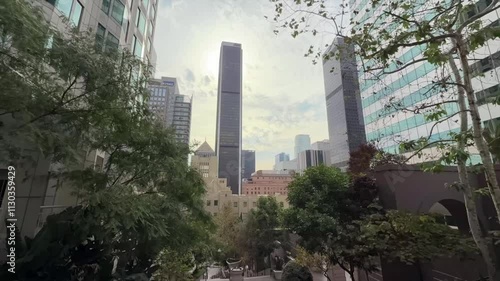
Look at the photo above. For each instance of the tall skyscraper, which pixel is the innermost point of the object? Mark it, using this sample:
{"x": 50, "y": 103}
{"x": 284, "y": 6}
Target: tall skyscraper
{"x": 228, "y": 135}
{"x": 247, "y": 163}
{"x": 281, "y": 158}
{"x": 172, "y": 108}
{"x": 343, "y": 103}
{"x": 302, "y": 142}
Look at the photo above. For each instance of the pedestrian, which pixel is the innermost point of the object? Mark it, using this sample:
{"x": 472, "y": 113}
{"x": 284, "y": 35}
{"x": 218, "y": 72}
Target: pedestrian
{"x": 246, "y": 269}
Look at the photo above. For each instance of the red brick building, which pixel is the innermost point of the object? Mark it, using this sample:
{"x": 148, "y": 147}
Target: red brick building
{"x": 267, "y": 182}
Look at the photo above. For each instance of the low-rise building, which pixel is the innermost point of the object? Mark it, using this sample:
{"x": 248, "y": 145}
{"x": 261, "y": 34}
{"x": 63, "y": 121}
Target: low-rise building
{"x": 267, "y": 183}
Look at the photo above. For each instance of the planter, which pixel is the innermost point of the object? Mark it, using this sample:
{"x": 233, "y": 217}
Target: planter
{"x": 236, "y": 275}
{"x": 277, "y": 274}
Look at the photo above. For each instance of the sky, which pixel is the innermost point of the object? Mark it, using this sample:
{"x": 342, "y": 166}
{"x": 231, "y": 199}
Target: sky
{"x": 283, "y": 92}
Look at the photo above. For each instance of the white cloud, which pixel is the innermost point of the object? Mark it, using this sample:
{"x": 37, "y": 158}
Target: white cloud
{"x": 283, "y": 92}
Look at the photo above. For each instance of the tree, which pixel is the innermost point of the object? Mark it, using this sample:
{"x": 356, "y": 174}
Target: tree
{"x": 228, "y": 226}
{"x": 414, "y": 239}
{"x": 445, "y": 33}
{"x": 323, "y": 212}
{"x": 341, "y": 223}
{"x": 313, "y": 261}
{"x": 296, "y": 272}
{"x": 63, "y": 97}
{"x": 360, "y": 159}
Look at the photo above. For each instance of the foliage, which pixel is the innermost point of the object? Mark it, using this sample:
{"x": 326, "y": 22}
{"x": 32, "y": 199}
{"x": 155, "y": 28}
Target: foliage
{"x": 228, "y": 230}
{"x": 174, "y": 266}
{"x": 296, "y": 272}
{"x": 340, "y": 223}
{"x": 415, "y": 238}
{"x": 360, "y": 159}
{"x": 62, "y": 99}
{"x": 323, "y": 211}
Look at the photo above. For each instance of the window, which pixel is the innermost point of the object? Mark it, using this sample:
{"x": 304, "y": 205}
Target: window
{"x": 281, "y": 204}
{"x": 140, "y": 21}
{"x": 99, "y": 36}
{"x": 208, "y": 202}
{"x": 105, "y": 6}
{"x": 255, "y": 204}
{"x": 245, "y": 204}
{"x": 145, "y": 2}
{"x": 64, "y": 6}
{"x": 149, "y": 46}
{"x": 77, "y": 14}
{"x": 118, "y": 10}
{"x": 215, "y": 214}
{"x": 111, "y": 42}
{"x": 137, "y": 47}
{"x": 235, "y": 204}
{"x": 216, "y": 202}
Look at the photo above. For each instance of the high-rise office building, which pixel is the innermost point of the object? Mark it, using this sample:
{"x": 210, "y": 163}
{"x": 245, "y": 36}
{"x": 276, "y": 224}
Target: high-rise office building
{"x": 247, "y": 163}
{"x": 228, "y": 135}
{"x": 172, "y": 108}
{"x": 123, "y": 24}
{"x": 302, "y": 143}
{"x": 346, "y": 128}
{"x": 414, "y": 85}
{"x": 324, "y": 146}
{"x": 281, "y": 158}
{"x": 310, "y": 158}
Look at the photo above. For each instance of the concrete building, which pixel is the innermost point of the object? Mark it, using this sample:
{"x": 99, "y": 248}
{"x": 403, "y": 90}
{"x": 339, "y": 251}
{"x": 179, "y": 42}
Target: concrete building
{"x": 218, "y": 196}
{"x": 310, "y": 158}
{"x": 218, "y": 193}
{"x": 346, "y": 128}
{"x": 228, "y": 134}
{"x": 247, "y": 163}
{"x": 286, "y": 166}
{"x": 117, "y": 24}
{"x": 414, "y": 86}
{"x": 172, "y": 108}
{"x": 324, "y": 146}
{"x": 267, "y": 183}
{"x": 302, "y": 142}
{"x": 205, "y": 161}
{"x": 281, "y": 157}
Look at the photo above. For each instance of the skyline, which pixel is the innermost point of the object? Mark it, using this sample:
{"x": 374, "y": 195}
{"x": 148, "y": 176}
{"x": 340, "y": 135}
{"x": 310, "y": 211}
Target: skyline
{"x": 276, "y": 106}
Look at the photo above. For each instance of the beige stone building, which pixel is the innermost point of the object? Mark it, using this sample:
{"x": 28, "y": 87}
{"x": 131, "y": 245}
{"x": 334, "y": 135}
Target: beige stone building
{"x": 218, "y": 193}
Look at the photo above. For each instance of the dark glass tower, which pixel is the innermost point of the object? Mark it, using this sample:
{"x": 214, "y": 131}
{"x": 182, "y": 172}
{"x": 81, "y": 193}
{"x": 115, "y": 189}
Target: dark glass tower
{"x": 247, "y": 163}
{"x": 228, "y": 135}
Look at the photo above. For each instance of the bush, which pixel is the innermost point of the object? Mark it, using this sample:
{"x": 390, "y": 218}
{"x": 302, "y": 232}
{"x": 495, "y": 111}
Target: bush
{"x": 295, "y": 272}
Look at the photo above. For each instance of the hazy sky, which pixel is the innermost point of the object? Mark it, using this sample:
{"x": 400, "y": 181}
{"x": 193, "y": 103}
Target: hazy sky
{"x": 283, "y": 92}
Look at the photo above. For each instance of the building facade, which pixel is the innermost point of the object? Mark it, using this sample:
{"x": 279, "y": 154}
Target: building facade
{"x": 218, "y": 194}
{"x": 346, "y": 128}
{"x": 302, "y": 143}
{"x": 281, "y": 157}
{"x": 247, "y": 163}
{"x": 414, "y": 86}
{"x": 228, "y": 125}
{"x": 125, "y": 24}
{"x": 324, "y": 146}
{"x": 310, "y": 158}
{"x": 267, "y": 183}
{"x": 286, "y": 166}
{"x": 169, "y": 106}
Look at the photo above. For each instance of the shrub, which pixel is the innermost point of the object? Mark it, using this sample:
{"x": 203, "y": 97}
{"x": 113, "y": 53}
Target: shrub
{"x": 295, "y": 272}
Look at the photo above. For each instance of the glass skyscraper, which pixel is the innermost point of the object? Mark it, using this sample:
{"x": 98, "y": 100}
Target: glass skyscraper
{"x": 343, "y": 104}
{"x": 228, "y": 135}
{"x": 389, "y": 125}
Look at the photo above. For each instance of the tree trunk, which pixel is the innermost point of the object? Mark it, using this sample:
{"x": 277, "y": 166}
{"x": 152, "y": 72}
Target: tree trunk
{"x": 419, "y": 269}
{"x": 483, "y": 245}
{"x": 477, "y": 129}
